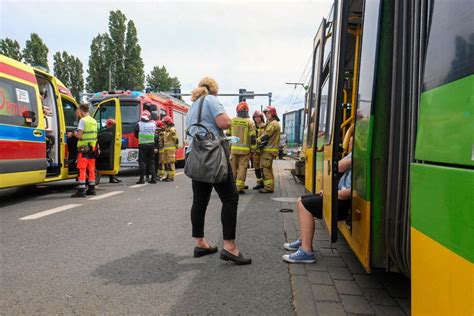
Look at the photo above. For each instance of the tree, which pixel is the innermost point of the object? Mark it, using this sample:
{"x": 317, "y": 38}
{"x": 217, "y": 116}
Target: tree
{"x": 10, "y": 48}
{"x": 134, "y": 73}
{"x": 99, "y": 62}
{"x": 76, "y": 76}
{"x": 36, "y": 52}
{"x": 160, "y": 80}
{"x": 60, "y": 67}
{"x": 68, "y": 69}
{"x": 117, "y": 29}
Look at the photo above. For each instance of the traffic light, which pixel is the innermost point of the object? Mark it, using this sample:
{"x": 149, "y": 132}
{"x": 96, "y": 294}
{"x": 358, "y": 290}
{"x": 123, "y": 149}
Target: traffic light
{"x": 242, "y": 98}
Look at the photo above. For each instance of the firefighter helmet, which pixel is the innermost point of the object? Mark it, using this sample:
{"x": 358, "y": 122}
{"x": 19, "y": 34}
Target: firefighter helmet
{"x": 167, "y": 120}
{"x": 270, "y": 109}
{"x": 146, "y": 115}
{"x": 160, "y": 124}
{"x": 242, "y": 106}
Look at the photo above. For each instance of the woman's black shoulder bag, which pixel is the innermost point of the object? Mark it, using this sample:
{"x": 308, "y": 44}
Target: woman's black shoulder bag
{"x": 208, "y": 160}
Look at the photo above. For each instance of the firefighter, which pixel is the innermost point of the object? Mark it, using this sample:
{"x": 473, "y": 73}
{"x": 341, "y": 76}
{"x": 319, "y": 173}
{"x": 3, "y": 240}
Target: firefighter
{"x": 170, "y": 143}
{"x": 86, "y": 134}
{"x": 259, "y": 119}
{"x": 145, "y": 132}
{"x": 242, "y": 127}
{"x": 269, "y": 141}
{"x": 161, "y": 151}
{"x": 159, "y": 166}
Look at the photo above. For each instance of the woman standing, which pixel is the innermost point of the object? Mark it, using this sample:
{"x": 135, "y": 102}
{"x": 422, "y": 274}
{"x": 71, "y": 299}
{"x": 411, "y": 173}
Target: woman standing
{"x": 213, "y": 116}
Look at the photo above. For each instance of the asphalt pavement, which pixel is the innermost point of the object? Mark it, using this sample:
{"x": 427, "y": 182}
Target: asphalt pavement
{"x": 129, "y": 250}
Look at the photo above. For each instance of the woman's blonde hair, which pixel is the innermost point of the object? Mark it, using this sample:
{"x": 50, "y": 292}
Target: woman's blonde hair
{"x": 206, "y": 86}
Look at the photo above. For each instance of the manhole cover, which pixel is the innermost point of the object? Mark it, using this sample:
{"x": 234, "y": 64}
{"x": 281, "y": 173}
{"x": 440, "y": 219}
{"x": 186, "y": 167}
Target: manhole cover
{"x": 285, "y": 199}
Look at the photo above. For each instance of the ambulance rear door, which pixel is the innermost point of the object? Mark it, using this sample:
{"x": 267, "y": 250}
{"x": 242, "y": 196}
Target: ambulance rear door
{"x": 109, "y": 138}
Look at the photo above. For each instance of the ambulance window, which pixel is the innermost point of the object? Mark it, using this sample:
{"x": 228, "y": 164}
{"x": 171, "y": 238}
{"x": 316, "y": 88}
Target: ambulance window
{"x": 18, "y": 104}
{"x": 69, "y": 110}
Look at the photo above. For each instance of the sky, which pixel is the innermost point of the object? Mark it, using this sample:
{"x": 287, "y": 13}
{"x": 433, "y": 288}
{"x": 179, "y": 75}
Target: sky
{"x": 254, "y": 45}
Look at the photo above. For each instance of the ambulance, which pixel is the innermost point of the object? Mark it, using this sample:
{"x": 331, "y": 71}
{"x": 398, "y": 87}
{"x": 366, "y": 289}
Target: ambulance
{"x": 37, "y": 113}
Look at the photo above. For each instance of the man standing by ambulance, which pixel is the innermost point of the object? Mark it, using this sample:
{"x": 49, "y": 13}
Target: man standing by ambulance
{"x": 170, "y": 143}
{"x": 86, "y": 134}
{"x": 145, "y": 132}
{"x": 243, "y": 128}
{"x": 269, "y": 142}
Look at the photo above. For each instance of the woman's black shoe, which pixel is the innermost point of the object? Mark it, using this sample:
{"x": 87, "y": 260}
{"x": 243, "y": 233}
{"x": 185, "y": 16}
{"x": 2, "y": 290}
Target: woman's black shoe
{"x": 199, "y": 252}
{"x": 238, "y": 260}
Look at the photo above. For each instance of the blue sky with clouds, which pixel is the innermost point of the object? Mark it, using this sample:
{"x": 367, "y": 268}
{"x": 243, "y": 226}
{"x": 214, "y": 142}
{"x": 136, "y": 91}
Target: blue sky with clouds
{"x": 256, "y": 45}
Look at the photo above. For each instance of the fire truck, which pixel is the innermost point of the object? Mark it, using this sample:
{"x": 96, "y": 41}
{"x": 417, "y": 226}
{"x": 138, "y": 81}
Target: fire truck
{"x": 132, "y": 103}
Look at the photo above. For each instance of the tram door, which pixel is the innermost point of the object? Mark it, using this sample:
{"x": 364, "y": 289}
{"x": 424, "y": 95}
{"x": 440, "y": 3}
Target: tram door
{"x": 330, "y": 117}
{"x": 311, "y": 175}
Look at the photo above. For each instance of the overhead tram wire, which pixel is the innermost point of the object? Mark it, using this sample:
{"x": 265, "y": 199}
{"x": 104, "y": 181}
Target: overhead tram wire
{"x": 302, "y": 75}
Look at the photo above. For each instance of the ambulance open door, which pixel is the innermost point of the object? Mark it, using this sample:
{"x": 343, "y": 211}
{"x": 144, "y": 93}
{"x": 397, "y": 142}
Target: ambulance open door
{"x": 109, "y": 137}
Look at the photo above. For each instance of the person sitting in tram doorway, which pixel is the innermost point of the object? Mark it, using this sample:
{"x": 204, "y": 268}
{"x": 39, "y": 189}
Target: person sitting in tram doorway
{"x": 243, "y": 128}
{"x": 170, "y": 143}
{"x": 259, "y": 119}
{"x": 86, "y": 134}
{"x": 311, "y": 206}
{"x": 145, "y": 132}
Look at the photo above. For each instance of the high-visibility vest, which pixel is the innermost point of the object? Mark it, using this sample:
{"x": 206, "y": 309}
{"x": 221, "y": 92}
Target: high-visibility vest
{"x": 89, "y": 134}
{"x": 273, "y": 131}
{"x": 170, "y": 139}
{"x": 146, "y": 132}
{"x": 244, "y": 129}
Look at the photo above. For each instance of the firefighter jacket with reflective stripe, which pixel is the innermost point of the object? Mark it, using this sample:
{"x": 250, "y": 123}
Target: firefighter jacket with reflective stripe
{"x": 146, "y": 132}
{"x": 244, "y": 129}
{"x": 272, "y": 132}
{"x": 89, "y": 134}
{"x": 260, "y": 129}
{"x": 170, "y": 139}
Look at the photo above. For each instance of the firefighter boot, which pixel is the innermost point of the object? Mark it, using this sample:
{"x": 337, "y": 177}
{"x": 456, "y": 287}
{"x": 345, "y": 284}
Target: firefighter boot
{"x": 141, "y": 180}
{"x": 91, "y": 190}
{"x": 80, "y": 193}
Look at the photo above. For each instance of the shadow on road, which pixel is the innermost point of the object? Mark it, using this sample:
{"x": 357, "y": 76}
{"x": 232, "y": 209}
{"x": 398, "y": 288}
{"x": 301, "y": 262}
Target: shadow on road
{"x": 145, "y": 267}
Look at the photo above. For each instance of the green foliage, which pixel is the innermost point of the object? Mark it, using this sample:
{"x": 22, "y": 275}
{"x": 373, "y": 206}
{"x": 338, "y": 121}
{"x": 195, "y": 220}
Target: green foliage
{"x": 99, "y": 61}
{"x": 36, "y": 52}
{"x": 134, "y": 73}
{"x": 10, "y": 48}
{"x": 160, "y": 80}
{"x": 68, "y": 69}
{"x": 117, "y": 29}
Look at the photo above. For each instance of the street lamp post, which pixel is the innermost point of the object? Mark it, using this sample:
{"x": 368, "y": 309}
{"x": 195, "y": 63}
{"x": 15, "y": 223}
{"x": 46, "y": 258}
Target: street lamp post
{"x": 110, "y": 71}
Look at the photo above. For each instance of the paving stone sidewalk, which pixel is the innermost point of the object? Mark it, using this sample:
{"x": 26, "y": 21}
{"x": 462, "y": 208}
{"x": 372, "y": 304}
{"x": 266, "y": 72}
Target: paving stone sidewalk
{"x": 336, "y": 284}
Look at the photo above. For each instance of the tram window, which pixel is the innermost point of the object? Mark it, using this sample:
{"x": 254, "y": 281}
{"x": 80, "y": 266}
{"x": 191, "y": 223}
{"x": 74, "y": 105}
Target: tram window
{"x": 69, "y": 110}
{"x": 324, "y": 105}
{"x": 450, "y": 53}
{"x": 18, "y": 104}
{"x": 314, "y": 98}
{"x": 367, "y": 57}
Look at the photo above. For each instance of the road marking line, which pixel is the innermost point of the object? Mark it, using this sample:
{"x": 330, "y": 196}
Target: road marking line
{"x": 103, "y": 196}
{"x": 51, "y": 211}
{"x": 138, "y": 185}
{"x": 179, "y": 173}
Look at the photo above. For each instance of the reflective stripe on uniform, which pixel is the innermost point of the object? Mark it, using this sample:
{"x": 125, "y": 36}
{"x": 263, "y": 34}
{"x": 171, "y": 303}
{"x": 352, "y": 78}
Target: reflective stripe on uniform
{"x": 146, "y": 132}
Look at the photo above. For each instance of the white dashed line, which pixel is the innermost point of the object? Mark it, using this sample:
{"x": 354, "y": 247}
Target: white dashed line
{"x": 51, "y": 211}
{"x": 138, "y": 185}
{"x": 103, "y": 196}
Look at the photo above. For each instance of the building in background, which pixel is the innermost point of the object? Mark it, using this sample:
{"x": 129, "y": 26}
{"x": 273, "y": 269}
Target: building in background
{"x": 293, "y": 127}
